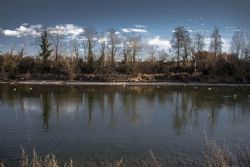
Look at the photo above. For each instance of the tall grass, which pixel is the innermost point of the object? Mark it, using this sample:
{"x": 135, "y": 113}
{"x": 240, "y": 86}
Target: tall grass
{"x": 215, "y": 156}
{"x": 48, "y": 161}
{"x": 221, "y": 156}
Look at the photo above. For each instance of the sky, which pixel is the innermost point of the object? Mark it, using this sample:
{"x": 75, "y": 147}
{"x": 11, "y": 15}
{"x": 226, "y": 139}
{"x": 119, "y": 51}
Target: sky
{"x": 154, "y": 20}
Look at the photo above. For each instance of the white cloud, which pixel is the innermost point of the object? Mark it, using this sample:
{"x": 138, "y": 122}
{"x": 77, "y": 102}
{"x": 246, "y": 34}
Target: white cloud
{"x": 125, "y": 30}
{"x": 70, "y": 30}
{"x": 139, "y": 30}
{"x": 189, "y": 30}
{"x": 117, "y": 33}
{"x": 161, "y": 43}
{"x": 226, "y": 44}
{"x": 207, "y": 41}
{"x": 140, "y": 26}
{"x": 11, "y": 33}
{"x": 23, "y": 30}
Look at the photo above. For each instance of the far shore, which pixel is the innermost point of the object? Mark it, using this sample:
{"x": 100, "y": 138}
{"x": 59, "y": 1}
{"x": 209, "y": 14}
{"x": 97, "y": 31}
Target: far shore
{"x": 126, "y": 83}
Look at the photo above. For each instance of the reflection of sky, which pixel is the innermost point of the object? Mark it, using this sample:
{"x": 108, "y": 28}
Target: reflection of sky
{"x": 151, "y": 19}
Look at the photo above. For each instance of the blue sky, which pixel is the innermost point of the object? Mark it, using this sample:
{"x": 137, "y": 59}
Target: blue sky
{"x": 153, "y": 19}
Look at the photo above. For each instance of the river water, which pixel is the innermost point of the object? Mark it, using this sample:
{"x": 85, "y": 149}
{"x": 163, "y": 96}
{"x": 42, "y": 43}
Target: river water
{"x": 94, "y": 125}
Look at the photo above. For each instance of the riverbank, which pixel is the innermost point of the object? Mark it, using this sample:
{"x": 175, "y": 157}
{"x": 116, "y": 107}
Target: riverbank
{"x": 126, "y": 83}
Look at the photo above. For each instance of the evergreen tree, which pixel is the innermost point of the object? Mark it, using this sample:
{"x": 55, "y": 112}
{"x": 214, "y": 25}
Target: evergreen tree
{"x": 46, "y": 52}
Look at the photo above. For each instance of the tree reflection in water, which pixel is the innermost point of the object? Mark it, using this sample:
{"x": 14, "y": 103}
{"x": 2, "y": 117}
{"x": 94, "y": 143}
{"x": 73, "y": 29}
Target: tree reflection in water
{"x": 184, "y": 105}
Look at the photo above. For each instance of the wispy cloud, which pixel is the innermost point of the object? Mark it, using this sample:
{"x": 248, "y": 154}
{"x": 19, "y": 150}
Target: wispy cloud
{"x": 138, "y": 30}
{"x": 160, "y": 43}
{"x": 228, "y": 27}
{"x": 125, "y": 30}
{"x": 237, "y": 29}
{"x": 140, "y": 26}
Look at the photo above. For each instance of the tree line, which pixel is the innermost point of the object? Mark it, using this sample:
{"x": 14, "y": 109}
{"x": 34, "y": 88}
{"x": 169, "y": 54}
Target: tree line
{"x": 111, "y": 53}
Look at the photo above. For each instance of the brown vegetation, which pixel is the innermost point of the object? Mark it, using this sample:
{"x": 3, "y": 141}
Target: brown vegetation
{"x": 226, "y": 68}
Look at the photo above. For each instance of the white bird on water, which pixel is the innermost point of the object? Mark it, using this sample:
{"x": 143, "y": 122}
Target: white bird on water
{"x": 209, "y": 88}
{"x": 14, "y": 89}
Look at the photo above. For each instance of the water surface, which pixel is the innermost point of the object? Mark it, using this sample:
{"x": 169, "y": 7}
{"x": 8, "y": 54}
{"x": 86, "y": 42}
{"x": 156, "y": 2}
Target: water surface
{"x": 96, "y": 124}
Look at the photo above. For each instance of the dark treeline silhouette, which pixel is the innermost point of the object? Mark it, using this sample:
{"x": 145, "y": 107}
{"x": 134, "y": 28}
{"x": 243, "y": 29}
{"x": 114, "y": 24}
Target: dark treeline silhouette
{"x": 112, "y": 56}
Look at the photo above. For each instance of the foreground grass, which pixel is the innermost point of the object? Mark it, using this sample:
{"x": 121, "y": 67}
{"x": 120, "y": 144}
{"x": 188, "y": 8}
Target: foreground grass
{"x": 221, "y": 156}
{"x": 215, "y": 156}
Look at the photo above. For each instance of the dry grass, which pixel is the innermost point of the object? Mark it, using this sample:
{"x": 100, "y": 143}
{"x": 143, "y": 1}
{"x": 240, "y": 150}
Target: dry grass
{"x": 221, "y": 156}
{"x": 36, "y": 161}
{"x": 155, "y": 162}
{"x": 215, "y": 156}
{"x": 49, "y": 161}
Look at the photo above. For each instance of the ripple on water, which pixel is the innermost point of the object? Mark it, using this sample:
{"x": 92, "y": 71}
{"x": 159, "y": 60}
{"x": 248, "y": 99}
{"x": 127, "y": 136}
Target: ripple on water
{"x": 12, "y": 141}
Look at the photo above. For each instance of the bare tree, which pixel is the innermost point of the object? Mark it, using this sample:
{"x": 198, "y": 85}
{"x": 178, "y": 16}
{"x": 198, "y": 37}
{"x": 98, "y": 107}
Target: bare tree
{"x": 238, "y": 44}
{"x": 198, "y": 47}
{"x": 181, "y": 43}
{"x": 176, "y": 43}
{"x": 126, "y": 49}
{"x": 163, "y": 55}
{"x": 102, "y": 47}
{"x": 131, "y": 44}
{"x": 216, "y": 42}
{"x": 57, "y": 38}
{"x": 85, "y": 47}
{"x": 247, "y": 46}
{"x": 135, "y": 43}
{"x": 90, "y": 34}
{"x": 114, "y": 42}
{"x": 152, "y": 50}
{"x": 75, "y": 48}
